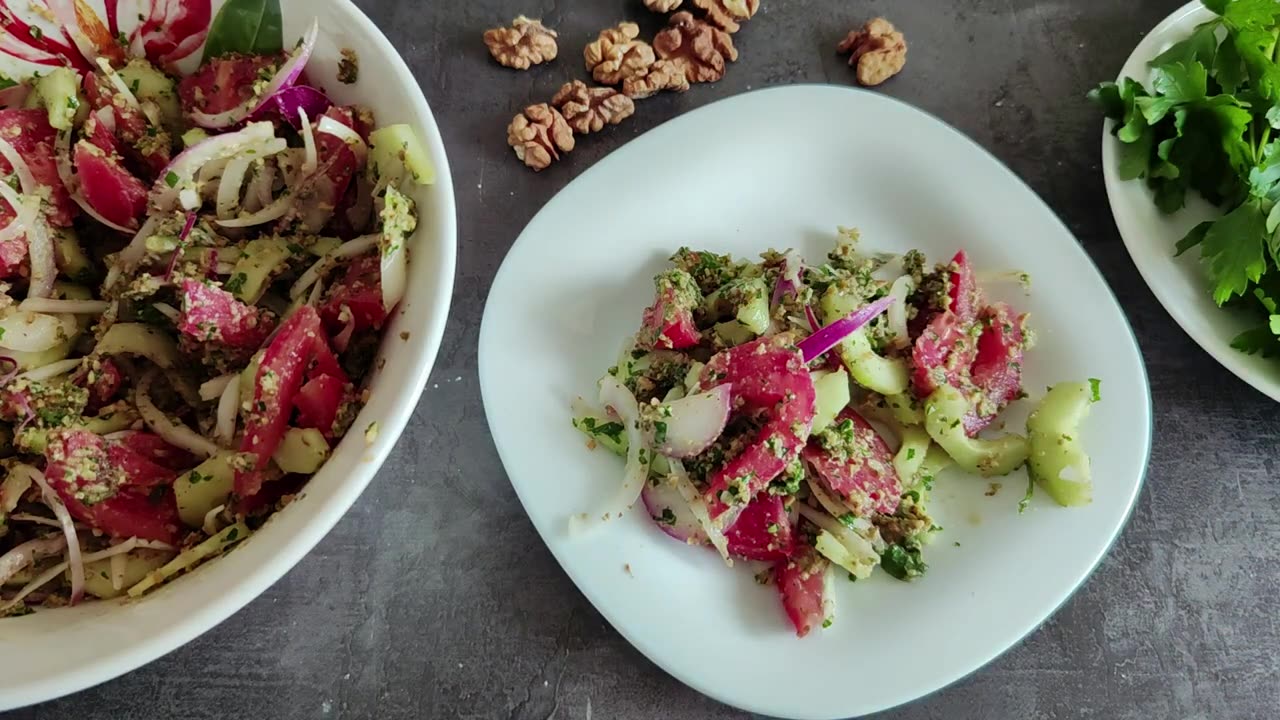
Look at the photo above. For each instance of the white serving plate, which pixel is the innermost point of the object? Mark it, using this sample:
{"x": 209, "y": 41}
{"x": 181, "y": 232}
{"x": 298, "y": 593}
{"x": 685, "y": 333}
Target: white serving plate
{"x": 778, "y": 168}
{"x": 52, "y": 653}
{"x": 1180, "y": 284}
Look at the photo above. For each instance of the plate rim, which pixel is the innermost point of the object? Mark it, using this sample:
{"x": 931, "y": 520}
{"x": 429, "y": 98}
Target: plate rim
{"x": 486, "y": 359}
{"x": 1230, "y": 359}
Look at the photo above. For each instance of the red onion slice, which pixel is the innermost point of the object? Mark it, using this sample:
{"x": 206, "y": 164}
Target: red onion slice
{"x": 830, "y": 336}
{"x": 789, "y": 280}
{"x": 284, "y": 77}
{"x": 28, "y": 552}
{"x": 671, "y": 513}
{"x": 290, "y": 103}
{"x": 180, "y": 172}
{"x": 694, "y": 422}
{"x": 812, "y": 317}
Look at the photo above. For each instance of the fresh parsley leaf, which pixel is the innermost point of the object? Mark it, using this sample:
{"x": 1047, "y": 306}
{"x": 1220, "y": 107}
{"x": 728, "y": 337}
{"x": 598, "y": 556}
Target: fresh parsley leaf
{"x": 1249, "y": 14}
{"x": 1258, "y": 340}
{"x": 1026, "y": 497}
{"x": 902, "y": 562}
{"x": 1174, "y": 84}
{"x": 7, "y": 82}
{"x": 1095, "y": 390}
{"x": 1233, "y": 249}
{"x": 1201, "y": 46}
{"x": 171, "y": 179}
{"x": 1228, "y": 68}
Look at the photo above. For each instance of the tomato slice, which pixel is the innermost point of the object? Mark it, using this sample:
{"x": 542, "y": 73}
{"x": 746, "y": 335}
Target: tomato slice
{"x": 157, "y": 451}
{"x": 762, "y": 531}
{"x": 801, "y": 584}
{"x": 359, "y": 291}
{"x": 668, "y": 322}
{"x": 769, "y": 377}
{"x": 318, "y": 402}
{"x": 859, "y": 469}
{"x": 280, "y": 375}
{"x": 117, "y": 195}
{"x": 213, "y": 315}
{"x": 966, "y": 296}
{"x": 30, "y": 133}
{"x": 224, "y": 83}
{"x": 111, "y": 486}
{"x": 997, "y": 369}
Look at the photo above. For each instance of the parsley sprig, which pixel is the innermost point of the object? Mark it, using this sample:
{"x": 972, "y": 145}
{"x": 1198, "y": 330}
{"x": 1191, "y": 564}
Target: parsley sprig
{"x": 1207, "y": 122}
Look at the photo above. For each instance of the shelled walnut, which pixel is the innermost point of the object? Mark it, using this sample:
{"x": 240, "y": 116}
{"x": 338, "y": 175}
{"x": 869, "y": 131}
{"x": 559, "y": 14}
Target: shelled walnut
{"x": 539, "y": 135}
{"x": 527, "y": 42}
{"x": 697, "y": 47}
{"x": 589, "y": 109}
{"x": 877, "y": 49}
{"x": 726, "y": 14}
{"x": 662, "y": 75}
{"x": 617, "y": 55}
{"x": 662, "y": 6}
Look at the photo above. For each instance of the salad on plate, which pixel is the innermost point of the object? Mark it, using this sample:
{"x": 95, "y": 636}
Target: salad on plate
{"x": 195, "y": 272}
{"x": 796, "y": 414}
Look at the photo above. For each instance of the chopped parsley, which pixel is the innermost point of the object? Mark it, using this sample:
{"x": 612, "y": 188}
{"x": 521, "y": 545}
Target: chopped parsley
{"x": 171, "y": 179}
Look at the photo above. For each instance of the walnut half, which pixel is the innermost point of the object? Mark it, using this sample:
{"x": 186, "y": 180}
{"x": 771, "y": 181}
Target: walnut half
{"x": 662, "y": 6}
{"x": 662, "y": 75}
{"x": 539, "y": 135}
{"x": 617, "y": 55}
{"x": 696, "y": 46}
{"x": 527, "y": 42}
{"x": 726, "y": 14}
{"x": 588, "y": 109}
{"x": 877, "y": 49}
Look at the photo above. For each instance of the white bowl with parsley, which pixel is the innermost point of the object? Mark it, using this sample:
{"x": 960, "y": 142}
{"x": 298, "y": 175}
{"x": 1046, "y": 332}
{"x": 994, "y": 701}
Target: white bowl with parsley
{"x": 1222, "y": 289}
{"x": 72, "y": 641}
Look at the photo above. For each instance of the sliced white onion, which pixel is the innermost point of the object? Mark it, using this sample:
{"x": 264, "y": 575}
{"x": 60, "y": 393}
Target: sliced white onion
{"x": 257, "y": 194}
{"x": 49, "y": 575}
{"x": 896, "y": 315}
{"x": 52, "y": 370}
{"x": 351, "y": 248}
{"x": 229, "y": 186}
{"x": 12, "y": 488}
{"x": 698, "y": 508}
{"x": 167, "y": 310}
{"x": 44, "y": 268}
{"x": 34, "y": 332}
{"x": 179, "y": 173}
{"x": 211, "y": 389}
{"x": 275, "y": 210}
{"x": 12, "y": 562}
{"x": 133, "y": 253}
{"x": 118, "y": 566}
{"x": 20, "y": 167}
{"x": 614, "y": 395}
{"x": 694, "y": 422}
{"x": 24, "y": 216}
{"x": 68, "y": 528}
{"x": 174, "y": 433}
{"x": 343, "y": 338}
{"x": 228, "y": 406}
{"x": 344, "y": 133}
{"x": 311, "y": 157}
{"x": 118, "y": 82}
{"x": 830, "y": 503}
{"x": 860, "y": 555}
{"x": 395, "y": 274}
{"x": 284, "y": 77}
{"x": 210, "y": 525}
{"x": 74, "y": 307}
{"x": 107, "y": 118}
{"x": 36, "y": 519}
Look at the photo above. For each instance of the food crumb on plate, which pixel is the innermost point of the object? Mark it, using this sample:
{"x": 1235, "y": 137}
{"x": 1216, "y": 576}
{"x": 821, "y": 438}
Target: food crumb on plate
{"x": 627, "y": 568}
{"x": 992, "y": 489}
{"x": 348, "y": 67}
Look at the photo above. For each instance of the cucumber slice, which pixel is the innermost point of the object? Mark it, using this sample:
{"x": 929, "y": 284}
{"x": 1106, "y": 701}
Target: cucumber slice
{"x": 1058, "y": 462}
{"x": 301, "y": 450}
{"x": 58, "y": 91}
{"x": 944, "y": 413}
{"x": 832, "y": 391}
{"x": 397, "y": 152}
{"x": 204, "y": 488}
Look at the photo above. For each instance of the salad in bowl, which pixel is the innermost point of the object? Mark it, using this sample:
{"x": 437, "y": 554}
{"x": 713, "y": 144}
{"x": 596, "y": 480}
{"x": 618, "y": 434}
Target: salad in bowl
{"x": 795, "y": 414}
{"x": 199, "y": 254}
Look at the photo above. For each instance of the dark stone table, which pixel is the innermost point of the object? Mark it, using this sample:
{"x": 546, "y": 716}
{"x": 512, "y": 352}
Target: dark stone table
{"x": 435, "y": 598}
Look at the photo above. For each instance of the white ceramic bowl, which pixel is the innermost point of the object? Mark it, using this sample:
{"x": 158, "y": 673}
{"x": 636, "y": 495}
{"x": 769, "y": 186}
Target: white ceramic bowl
{"x": 52, "y": 653}
{"x": 1181, "y": 284}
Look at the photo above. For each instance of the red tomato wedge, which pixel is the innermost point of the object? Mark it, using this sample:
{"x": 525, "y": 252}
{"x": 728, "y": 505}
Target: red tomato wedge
{"x": 112, "y": 487}
{"x": 213, "y": 315}
{"x": 359, "y": 290}
{"x": 668, "y": 323}
{"x": 860, "y": 470}
{"x": 801, "y": 583}
{"x": 318, "y": 402}
{"x": 280, "y": 375}
{"x": 102, "y": 380}
{"x": 769, "y": 377}
{"x": 157, "y": 451}
{"x": 963, "y": 289}
{"x": 117, "y": 195}
{"x": 135, "y": 133}
{"x": 762, "y": 530}
{"x": 223, "y": 83}
{"x": 33, "y": 137}
{"x": 997, "y": 369}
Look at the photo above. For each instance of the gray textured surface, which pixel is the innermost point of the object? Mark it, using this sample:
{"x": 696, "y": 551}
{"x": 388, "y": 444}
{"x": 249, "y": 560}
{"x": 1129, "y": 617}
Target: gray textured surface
{"x": 435, "y": 598}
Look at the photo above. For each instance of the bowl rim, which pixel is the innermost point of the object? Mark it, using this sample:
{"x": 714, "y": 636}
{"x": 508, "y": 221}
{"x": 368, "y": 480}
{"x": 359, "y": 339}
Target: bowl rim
{"x": 1241, "y": 365}
{"x": 285, "y": 557}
